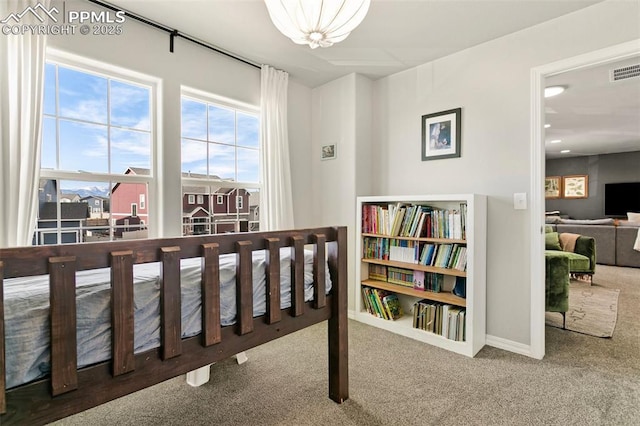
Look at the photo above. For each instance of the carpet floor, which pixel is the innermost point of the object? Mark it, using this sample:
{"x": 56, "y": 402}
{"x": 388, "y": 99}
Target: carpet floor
{"x": 582, "y": 380}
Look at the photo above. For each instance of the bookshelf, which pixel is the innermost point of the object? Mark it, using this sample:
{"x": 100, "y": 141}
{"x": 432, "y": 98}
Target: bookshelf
{"x": 437, "y": 240}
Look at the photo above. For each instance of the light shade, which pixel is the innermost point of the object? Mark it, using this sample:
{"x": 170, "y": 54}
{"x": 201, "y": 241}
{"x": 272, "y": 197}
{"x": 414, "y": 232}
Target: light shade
{"x": 553, "y": 91}
{"x": 317, "y": 22}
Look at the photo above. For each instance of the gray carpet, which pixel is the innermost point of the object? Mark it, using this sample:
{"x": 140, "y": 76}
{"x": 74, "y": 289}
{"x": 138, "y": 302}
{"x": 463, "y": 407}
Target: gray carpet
{"x": 582, "y": 380}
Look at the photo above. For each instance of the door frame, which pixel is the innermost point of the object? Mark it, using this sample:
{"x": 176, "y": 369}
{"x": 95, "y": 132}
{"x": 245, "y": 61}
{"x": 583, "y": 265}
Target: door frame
{"x": 538, "y": 75}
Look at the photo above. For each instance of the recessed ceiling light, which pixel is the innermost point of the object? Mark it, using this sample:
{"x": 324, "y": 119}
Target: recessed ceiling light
{"x": 546, "y": 126}
{"x": 553, "y": 91}
{"x": 556, "y": 141}
{"x": 564, "y": 151}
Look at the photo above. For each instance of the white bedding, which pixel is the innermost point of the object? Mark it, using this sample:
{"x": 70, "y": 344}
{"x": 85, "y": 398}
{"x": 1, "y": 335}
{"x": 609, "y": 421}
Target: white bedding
{"x": 27, "y": 308}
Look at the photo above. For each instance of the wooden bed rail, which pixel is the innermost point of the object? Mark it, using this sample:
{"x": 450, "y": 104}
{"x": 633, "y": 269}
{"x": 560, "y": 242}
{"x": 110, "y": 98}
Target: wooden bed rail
{"x": 56, "y": 397}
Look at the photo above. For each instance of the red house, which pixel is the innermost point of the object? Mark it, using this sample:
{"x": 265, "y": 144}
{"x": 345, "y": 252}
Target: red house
{"x": 130, "y": 199}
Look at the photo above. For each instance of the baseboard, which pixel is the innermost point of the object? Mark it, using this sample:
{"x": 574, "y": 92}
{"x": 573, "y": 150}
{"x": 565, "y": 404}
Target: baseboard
{"x": 509, "y": 345}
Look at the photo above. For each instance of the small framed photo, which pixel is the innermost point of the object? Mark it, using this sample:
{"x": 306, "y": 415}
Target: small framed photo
{"x": 329, "y": 152}
{"x": 441, "y": 134}
{"x": 576, "y": 186}
{"x": 553, "y": 187}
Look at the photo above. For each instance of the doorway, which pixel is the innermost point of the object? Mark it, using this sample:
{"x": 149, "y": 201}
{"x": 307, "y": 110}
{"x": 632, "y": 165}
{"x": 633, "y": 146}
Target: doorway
{"x": 538, "y": 77}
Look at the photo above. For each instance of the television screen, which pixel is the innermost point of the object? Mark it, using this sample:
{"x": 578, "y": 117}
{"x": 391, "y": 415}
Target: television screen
{"x": 621, "y": 198}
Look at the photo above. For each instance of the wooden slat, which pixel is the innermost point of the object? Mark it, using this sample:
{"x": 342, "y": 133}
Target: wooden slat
{"x": 273, "y": 280}
{"x": 3, "y": 385}
{"x": 62, "y": 288}
{"x": 319, "y": 283}
{"x": 244, "y": 287}
{"x": 297, "y": 275}
{"x": 170, "y": 320}
{"x": 338, "y": 323}
{"x": 211, "y": 333}
{"x": 122, "y": 326}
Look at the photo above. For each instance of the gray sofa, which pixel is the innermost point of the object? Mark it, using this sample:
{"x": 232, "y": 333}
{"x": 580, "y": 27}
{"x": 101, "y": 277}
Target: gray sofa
{"x": 614, "y": 244}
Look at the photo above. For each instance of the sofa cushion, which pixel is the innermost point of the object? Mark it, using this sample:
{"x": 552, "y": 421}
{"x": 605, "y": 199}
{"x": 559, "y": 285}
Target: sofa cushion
{"x": 577, "y": 262}
{"x": 604, "y": 235}
{"x": 552, "y": 241}
{"x": 633, "y": 217}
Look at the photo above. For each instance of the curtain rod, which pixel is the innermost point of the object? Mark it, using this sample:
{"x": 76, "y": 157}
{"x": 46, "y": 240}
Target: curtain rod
{"x": 173, "y": 33}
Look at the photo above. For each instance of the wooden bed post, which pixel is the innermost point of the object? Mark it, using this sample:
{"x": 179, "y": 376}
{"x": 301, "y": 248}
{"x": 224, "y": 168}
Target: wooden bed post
{"x": 3, "y": 400}
{"x": 338, "y": 323}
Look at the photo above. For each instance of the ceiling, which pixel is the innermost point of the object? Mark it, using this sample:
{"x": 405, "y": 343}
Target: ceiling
{"x": 592, "y": 117}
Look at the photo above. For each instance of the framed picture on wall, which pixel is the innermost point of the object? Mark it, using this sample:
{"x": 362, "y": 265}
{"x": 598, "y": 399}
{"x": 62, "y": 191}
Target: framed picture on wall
{"x": 576, "y": 186}
{"x": 329, "y": 152}
{"x": 441, "y": 134}
{"x": 552, "y": 187}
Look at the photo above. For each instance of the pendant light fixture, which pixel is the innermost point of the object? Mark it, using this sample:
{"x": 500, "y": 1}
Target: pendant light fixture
{"x": 317, "y": 22}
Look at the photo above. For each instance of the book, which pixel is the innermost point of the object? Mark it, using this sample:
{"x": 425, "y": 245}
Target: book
{"x": 392, "y": 304}
{"x": 418, "y": 280}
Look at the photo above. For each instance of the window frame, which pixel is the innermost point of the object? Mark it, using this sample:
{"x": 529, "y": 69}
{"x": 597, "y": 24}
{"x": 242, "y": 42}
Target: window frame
{"x": 110, "y": 72}
{"x": 187, "y": 180}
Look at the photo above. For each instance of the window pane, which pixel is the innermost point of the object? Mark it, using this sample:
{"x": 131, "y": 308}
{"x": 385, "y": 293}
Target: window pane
{"x": 194, "y": 157}
{"x": 196, "y": 210}
{"x": 194, "y": 119}
{"x": 83, "y": 147}
{"x": 82, "y": 96}
{"x": 125, "y": 225}
{"x": 254, "y": 210}
{"x": 248, "y": 165}
{"x": 222, "y": 161}
{"x": 248, "y": 130}
{"x": 129, "y": 149}
{"x": 50, "y": 89}
{"x": 48, "y": 154}
{"x": 222, "y": 126}
{"x": 130, "y": 105}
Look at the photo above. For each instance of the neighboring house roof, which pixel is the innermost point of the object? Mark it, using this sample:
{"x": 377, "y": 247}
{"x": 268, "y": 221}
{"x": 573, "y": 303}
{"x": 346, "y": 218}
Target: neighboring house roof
{"x": 67, "y": 210}
{"x": 197, "y": 212}
{"x": 98, "y": 197}
{"x": 69, "y": 196}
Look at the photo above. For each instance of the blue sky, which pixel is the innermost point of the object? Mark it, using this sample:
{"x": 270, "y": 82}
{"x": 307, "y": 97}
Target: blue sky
{"x": 87, "y": 103}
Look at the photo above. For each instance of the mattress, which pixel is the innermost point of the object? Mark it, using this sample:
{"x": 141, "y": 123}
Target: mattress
{"x": 27, "y": 327}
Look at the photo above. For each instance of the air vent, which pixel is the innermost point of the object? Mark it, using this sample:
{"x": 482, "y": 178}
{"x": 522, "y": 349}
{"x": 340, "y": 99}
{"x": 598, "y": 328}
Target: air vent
{"x": 625, "y": 72}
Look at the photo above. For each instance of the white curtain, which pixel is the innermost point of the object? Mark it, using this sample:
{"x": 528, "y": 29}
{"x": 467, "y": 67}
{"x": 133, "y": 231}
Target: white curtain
{"x": 21, "y": 93}
{"x": 276, "y": 204}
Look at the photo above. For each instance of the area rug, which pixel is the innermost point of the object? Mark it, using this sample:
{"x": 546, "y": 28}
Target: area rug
{"x": 593, "y": 310}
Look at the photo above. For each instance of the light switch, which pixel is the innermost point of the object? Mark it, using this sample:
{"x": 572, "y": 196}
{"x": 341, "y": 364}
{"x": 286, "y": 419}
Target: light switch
{"x": 520, "y": 201}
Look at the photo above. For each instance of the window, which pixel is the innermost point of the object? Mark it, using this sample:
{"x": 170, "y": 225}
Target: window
{"x": 97, "y": 140}
{"x": 220, "y": 158}
{"x": 192, "y": 199}
{"x": 134, "y": 209}
{"x": 142, "y": 199}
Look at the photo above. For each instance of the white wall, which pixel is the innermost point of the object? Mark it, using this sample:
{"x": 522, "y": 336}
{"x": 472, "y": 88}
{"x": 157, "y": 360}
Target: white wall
{"x": 341, "y": 112}
{"x": 491, "y": 82}
{"x": 144, "y": 49}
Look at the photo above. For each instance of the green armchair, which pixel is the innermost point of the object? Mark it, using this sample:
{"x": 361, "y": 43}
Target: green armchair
{"x": 582, "y": 261}
{"x": 557, "y": 286}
